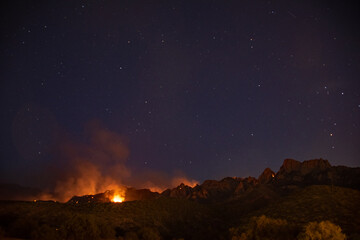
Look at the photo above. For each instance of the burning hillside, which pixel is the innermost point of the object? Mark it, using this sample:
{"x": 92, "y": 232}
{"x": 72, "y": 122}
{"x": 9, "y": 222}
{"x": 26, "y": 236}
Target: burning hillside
{"x": 107, "y": 196}
{"x": 302, "y": 191}
{"x": 292, "y": 175}
{"x": 101, "y": 164}
{"x": 117, "y": 198}
{"x": 128, "y": 194}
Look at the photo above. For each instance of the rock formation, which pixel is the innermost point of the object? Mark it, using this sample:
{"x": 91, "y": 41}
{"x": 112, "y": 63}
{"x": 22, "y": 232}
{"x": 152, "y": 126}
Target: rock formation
{"x": 292, "y": 174}
{"x": 267, "y": 176}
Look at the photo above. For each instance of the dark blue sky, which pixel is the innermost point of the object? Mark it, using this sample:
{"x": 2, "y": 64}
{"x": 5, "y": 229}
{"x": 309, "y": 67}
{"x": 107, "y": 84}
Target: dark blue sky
{"x": 206, "y": 88}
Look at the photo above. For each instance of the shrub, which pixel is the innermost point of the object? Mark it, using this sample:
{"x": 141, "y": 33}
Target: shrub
{"x": 324, "y": 230}
{"x": 23, "y": 227}
{"x": 150, "y": 234}
{"x": 81, "y": 227}
{"x": 264, "y": 228}
{"x": 45, "y": 232}
{"x": 131, "y": 236}
{"x": 106, "y": 230}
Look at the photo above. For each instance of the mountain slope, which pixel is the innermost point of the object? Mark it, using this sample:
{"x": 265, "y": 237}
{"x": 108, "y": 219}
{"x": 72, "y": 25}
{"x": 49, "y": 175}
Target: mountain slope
{"x": 299, "y": 192}
{"x": 317, "y": 203}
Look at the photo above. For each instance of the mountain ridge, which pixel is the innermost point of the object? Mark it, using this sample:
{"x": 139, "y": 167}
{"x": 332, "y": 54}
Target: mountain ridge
{"x": 292, "y": 175}
{"x": 299, "y": 193}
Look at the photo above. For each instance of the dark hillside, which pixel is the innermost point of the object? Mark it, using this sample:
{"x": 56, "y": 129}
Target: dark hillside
{"x": 317, "y": 203}
{"x": 292, "y": 198}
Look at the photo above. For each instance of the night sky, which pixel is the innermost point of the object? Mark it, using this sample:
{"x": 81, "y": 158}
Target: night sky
{"x": 199, "y": 89}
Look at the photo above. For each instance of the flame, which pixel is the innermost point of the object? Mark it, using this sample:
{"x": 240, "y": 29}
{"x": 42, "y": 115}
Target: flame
{"x": 117, "y": 198}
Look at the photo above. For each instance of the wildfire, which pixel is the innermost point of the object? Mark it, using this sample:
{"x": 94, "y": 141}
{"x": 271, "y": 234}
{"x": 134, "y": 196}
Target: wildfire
{"x": 117, "y": 198}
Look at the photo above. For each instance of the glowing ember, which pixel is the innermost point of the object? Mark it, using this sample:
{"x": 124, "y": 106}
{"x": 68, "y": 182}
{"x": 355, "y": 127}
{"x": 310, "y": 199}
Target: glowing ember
{"x": 117, "y": 198}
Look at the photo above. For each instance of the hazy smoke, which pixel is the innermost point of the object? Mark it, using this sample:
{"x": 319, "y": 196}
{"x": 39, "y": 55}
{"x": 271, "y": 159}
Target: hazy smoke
{"x": 159, "y": 181}
{"x": 87, "y": 179}
{"x": 176, "y": 181}
{"x": 72, "y": 167}
{"x": 100, "y": 164}
{"x": 92, "y": 167}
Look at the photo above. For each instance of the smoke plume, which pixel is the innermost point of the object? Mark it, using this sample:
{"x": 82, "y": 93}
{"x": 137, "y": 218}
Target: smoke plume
{"x": 99, "y": 164}
{"x": 71, "y": 166}
{"x": 94, "y": 166}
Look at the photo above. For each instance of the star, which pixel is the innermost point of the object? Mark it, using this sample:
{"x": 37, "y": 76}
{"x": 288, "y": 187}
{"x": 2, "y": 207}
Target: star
{"x": 174, "y": 90}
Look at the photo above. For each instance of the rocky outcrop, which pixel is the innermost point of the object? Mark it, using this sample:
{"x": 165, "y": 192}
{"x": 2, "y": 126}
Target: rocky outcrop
{"x": 289, "y": 165}
{"x": 212, "y": 190}
{"x": 245, "y": 185}
{"x": 267, "y": 176}
{"x": 317, "y": 164}
{"x": 181, "y": 191}
{"x": 305, "y": 167}
{"x": 292, "y": 175}
{"x": 133, "y": 194}
{"x": 316, "y": 172}
{"x": 221, "y": 189}
{"x": 96, "y": 198}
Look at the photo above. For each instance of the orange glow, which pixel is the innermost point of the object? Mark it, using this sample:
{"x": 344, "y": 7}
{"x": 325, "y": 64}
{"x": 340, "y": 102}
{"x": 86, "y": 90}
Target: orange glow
{"x": 117, "y": 198}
